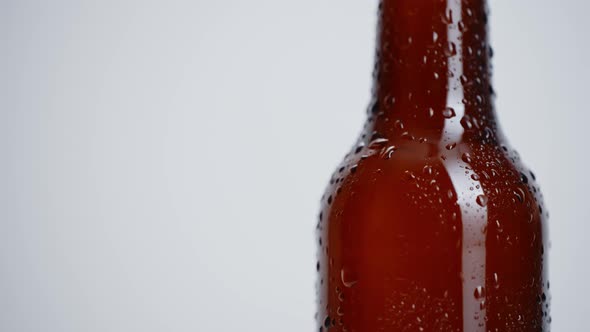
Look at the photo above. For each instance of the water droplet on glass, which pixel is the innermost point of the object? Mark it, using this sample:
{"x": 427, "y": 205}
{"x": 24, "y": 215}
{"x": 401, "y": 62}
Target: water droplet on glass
{"x": 482, "y": 200}
{"x": 407, "y": 136}
{"x": 451, "y": 49}
{"x": 499, "y": 226}
{"x": 449, "y": 112}
{"x": 387, "y": 152}
{"x": 467, "y": 158}
{"x": 464, "y": 79}
{"x": 496, "y": 281}
{"x": 466, "y": 123}
{"x": 450, "y": 194}
{"x": 533, "y": 175}
{"x": 347, "y": 278}
{"x": 378, "y": 143}
{"x": 389, "y": 100}
{"x": 451, "y": 146}
{"x": 447, "y": 18}
{"x": 479, "y": 292}
{"x": 479, "y": 99}
{"x": 409, "y": 176}
{"x": 461, "y": 26}
{"x": 524, "y": 178}
{"x": 519, "y": 194}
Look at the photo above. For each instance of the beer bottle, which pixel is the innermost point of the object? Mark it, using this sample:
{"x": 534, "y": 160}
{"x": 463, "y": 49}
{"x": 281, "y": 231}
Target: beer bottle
{"x": 432, "y": 222}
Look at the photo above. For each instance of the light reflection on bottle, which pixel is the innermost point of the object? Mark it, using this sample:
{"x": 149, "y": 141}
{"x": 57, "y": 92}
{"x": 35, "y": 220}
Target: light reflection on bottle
{"x": 474, "y": 216}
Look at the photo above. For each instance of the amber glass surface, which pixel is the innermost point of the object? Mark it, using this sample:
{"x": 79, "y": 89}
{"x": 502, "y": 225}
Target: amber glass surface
{"x": 432, "y": 222}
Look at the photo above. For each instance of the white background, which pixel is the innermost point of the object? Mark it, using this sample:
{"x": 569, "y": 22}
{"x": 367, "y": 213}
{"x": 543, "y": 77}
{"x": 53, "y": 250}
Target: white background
{"x": 162, "y": 161}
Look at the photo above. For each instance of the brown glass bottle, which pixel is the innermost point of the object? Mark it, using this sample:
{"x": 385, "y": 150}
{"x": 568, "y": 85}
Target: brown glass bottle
{"x": 431, "y": 222}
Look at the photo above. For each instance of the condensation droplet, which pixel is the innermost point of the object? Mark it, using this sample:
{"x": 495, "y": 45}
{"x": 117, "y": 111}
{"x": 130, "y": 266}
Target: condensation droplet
{"x": 447, "y": 18}
{"x": 347, "y": 279}
{"x": 464, "y": 79}
{"x": 389, "y": 100}
{"x": 461, "y": 26}
{"x": 387, "y": 152}
{"x": 496, "y": 281}
{"x": 451, "y": 49}
{"x": 479, "y": 99}
{"x": 409, "y": 176}
{"x": 449, "y": 112}
{"x": 466, "y": 123}
{"x": 450, "y": 194}
{"x": 482, "y": 200}
{"x": 378, "y": 143}
{"x": 524, "y": 178}
{"x": 407, "y": 136}
{"x": 467, "y": 158}
{"x": 328, "y": 322}
{"x": 499, "y": 226}
{"x": 519, "y": 194}
{"x": 479, "y": 292}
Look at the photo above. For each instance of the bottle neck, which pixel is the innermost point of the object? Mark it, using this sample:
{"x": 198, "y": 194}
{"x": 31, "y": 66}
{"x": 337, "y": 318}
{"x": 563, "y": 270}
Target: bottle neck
{"x": 432, "y": 72}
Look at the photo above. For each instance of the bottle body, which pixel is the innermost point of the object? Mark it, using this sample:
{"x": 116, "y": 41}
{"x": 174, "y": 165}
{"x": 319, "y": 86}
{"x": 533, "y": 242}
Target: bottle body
{"x": 424, "y": 244}
{"x": 431, "y": 222}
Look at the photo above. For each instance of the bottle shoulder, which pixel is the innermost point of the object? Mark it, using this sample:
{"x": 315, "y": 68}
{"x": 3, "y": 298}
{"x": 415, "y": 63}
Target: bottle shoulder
{"x": 426, "y": 173}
